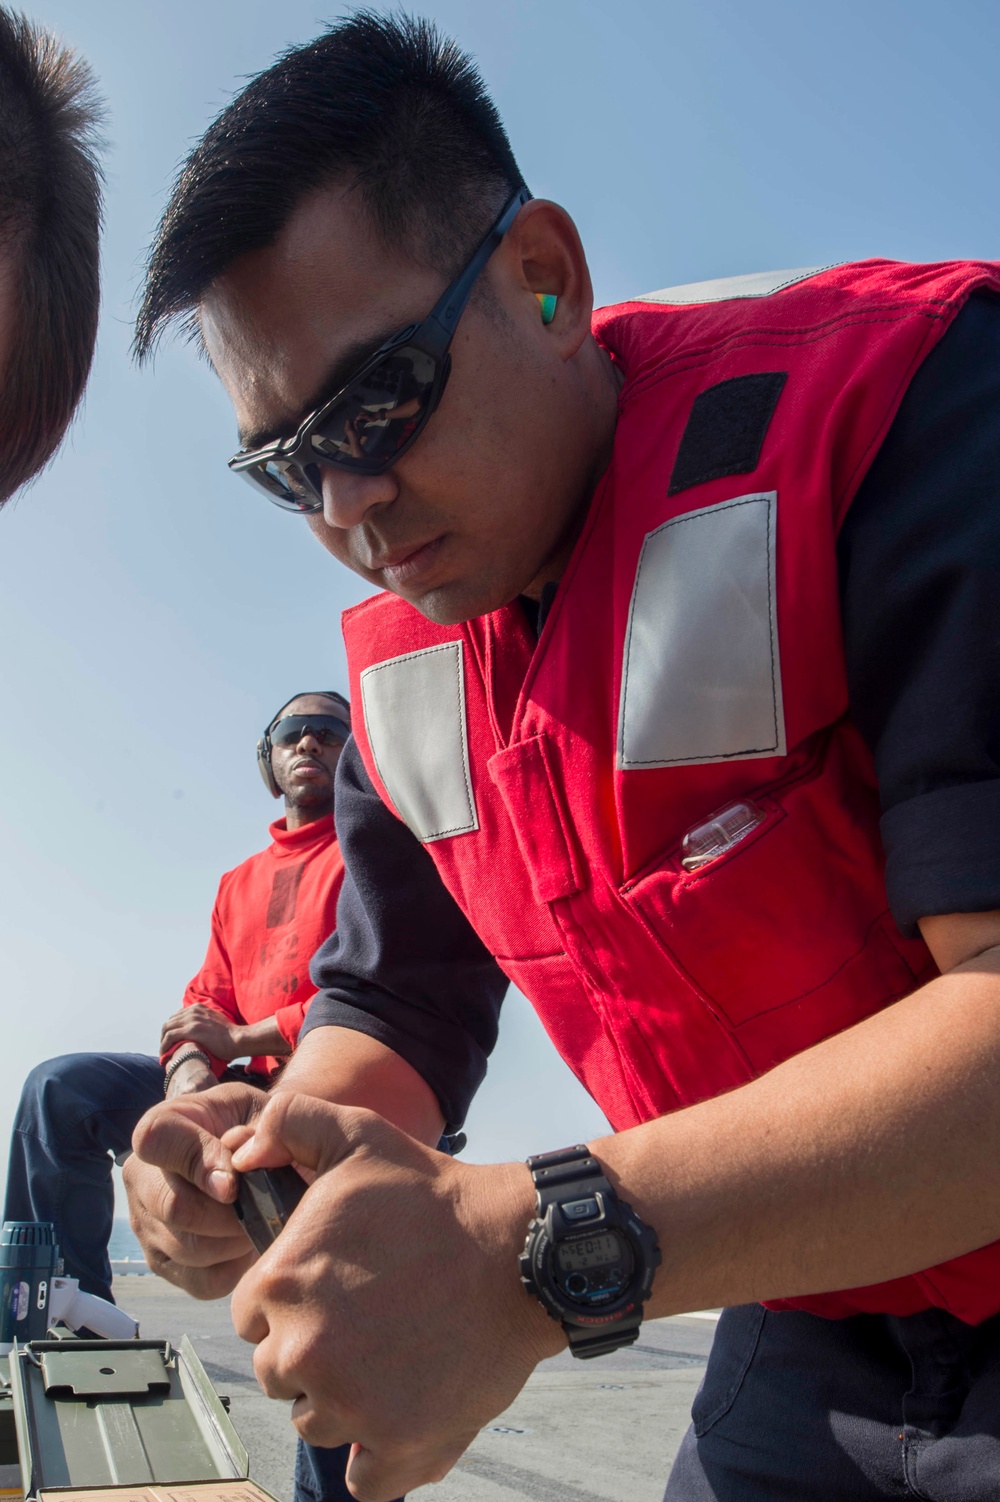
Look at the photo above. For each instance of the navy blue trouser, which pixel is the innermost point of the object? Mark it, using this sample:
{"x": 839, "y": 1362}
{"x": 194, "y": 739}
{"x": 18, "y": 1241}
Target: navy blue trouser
{"x": 75, "y": 1114}
{"x": 853, "y": 1410}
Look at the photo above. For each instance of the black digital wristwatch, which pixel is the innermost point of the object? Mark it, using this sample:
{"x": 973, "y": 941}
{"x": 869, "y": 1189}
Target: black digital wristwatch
{"x": 588, "y": 1259}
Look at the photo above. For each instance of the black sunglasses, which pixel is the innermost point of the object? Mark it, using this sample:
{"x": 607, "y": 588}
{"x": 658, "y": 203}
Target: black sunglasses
{"x": 325, "y": 728}
{"x": 382, "y": 409}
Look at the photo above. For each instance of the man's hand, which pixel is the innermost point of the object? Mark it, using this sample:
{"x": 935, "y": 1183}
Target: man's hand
{"x": 190, "y": 1078}
{"x": 389, "y": 1310}
{"x": 181, "y": 1185}
{"x": 208, "y": 1028}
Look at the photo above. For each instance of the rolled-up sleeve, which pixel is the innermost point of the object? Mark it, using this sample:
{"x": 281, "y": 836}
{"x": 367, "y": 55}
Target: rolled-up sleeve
{"x": 920, "y": 593}
{"x": 404, "y": 965}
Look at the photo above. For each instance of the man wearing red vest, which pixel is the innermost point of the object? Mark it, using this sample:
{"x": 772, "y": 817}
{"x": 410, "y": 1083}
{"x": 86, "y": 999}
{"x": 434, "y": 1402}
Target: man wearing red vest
{"x": 678, "y": 709}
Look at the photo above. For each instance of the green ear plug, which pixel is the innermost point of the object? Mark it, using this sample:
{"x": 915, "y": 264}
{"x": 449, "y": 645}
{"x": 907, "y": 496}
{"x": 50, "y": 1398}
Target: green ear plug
{"x": 547, "y": 303}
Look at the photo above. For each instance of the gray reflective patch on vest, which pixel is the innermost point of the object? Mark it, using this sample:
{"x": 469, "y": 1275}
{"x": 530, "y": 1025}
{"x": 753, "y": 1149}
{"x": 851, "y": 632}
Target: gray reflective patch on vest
{"x": 729, "y": 288}
{"x": 414, "y": 709}
{"x": 701, "y": 680}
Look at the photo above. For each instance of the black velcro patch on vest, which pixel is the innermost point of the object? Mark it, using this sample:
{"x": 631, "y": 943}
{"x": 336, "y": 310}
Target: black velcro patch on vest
{"x": 726, "y": 429}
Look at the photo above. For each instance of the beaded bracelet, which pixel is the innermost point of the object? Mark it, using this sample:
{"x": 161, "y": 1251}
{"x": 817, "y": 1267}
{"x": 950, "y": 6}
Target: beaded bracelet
{"x": 182, "y": 1058}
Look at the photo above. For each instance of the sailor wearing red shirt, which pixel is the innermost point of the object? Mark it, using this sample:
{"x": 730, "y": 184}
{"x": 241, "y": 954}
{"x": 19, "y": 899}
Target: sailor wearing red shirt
{"x": 272, "y": 912}
{"x": 680, "y": 599}
{"x": 249, "y": 998}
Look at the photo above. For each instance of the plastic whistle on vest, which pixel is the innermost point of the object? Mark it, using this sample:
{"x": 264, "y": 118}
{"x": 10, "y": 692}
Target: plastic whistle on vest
{"x": 33, "y": 1296}
{"x": 658, "y": 815}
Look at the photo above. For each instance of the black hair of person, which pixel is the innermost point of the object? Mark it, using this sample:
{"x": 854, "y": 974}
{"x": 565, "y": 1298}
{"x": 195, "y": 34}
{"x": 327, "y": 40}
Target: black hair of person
{"x": 50, "y": 223}
{"x": 312, "y": 693}
{"x": 383, "y": 103}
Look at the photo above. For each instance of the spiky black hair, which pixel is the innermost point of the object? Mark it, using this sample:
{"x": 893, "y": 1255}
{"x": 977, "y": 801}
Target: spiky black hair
{"x": 382, "y": 102}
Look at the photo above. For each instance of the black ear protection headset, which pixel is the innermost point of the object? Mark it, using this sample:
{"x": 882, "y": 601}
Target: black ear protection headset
{"x": 264, "y": 744}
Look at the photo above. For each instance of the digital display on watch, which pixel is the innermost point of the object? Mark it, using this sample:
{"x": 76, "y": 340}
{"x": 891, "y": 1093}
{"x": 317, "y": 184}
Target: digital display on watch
{"x": 591, "y": 1251}
{"x": 593, "y": 1270}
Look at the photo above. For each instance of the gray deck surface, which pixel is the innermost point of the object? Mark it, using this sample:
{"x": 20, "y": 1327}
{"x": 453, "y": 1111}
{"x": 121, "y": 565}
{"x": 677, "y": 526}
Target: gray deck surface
{"x": 597, "y": 1431}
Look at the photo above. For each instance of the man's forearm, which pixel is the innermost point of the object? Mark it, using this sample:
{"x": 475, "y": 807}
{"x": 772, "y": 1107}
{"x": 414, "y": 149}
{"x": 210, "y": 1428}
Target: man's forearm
{"x": 263, "y": 1037}
{"x": 190, "y": 1077}
{"x": 868, "y": 1157}
{"x": 350, "y": 1069}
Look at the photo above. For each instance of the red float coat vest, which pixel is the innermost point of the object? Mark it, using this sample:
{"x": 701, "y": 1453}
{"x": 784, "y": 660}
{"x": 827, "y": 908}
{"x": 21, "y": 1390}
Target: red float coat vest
{"x": 692, "y": 659}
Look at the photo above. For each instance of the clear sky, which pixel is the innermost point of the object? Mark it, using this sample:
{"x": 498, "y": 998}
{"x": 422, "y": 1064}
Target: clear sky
{"x": 154, "y": 613}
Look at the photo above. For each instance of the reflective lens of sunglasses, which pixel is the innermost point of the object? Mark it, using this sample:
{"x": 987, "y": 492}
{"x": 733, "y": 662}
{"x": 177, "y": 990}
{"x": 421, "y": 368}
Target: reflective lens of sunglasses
{"x": 325, "y": 728}
{"x": 374, "y": 418}
{"x": 366, "y": 427}
{"x": 286, "y": 483}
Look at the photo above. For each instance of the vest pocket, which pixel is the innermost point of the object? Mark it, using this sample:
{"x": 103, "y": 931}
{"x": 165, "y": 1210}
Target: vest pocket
{"x": 791, "y": 919}
{"x": 525, "y": 777}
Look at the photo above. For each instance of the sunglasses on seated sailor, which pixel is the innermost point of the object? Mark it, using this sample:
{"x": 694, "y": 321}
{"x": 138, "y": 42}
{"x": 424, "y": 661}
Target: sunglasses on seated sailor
{"x": 382, "y": 409}
{"x": 325, "y": 728}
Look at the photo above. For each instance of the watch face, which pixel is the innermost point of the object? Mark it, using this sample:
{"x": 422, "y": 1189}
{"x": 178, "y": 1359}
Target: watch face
{"x": 593, "y": 1270}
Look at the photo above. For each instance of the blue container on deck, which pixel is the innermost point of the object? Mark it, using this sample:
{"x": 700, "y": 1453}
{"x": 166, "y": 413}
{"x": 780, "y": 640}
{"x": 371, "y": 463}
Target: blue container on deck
{"x": 29, "y": 1253}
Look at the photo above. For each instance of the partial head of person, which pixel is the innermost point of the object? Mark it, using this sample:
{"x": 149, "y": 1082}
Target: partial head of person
{"x": 299, "y": 751}
{"x": 50, "y": 220}
{"x": 403, "y": 330}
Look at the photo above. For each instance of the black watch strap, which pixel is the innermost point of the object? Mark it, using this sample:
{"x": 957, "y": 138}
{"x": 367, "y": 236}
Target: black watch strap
{"x": 554, "y": 1173}
{"x": 557, "y": 1176}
